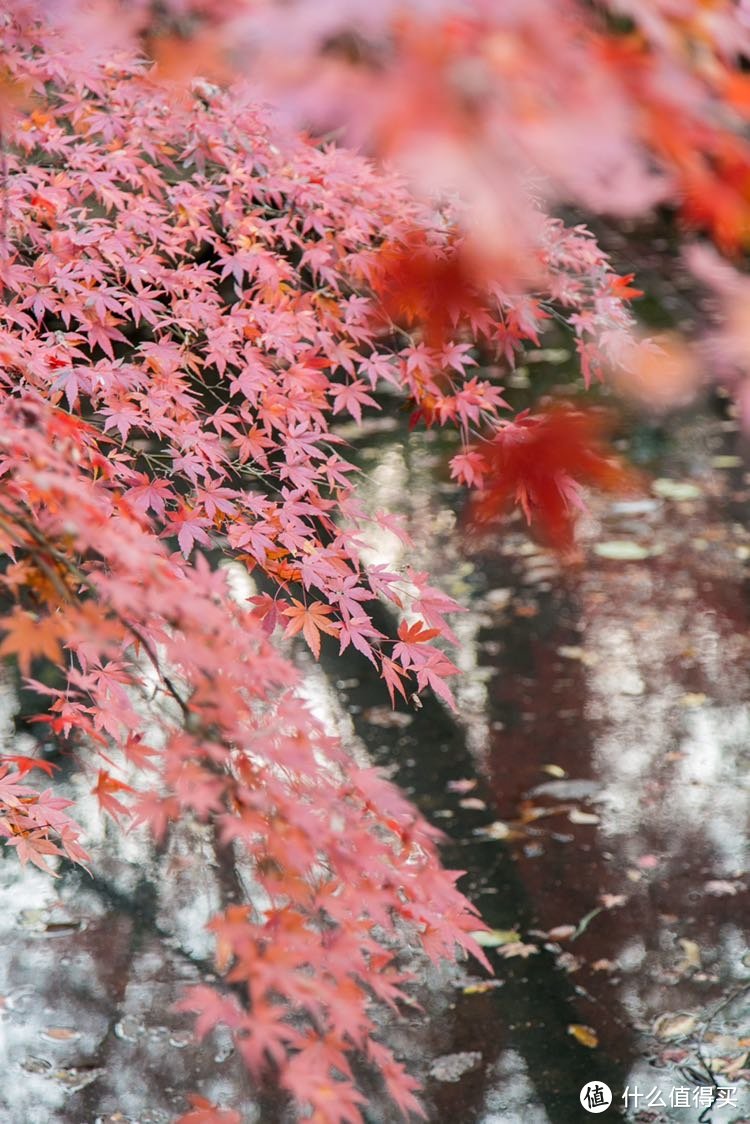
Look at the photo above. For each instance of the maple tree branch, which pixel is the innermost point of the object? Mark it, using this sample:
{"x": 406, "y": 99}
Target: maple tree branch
{"x": 83, "y": 579}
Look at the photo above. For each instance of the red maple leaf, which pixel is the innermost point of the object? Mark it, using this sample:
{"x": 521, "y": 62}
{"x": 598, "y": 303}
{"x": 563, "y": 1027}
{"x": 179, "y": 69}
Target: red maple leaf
{"x": 204, "y": 1112}
{"x": 421, "y": 284}
{"x": 538, "y": 463}
{"x": 621, "y": 287}
{"x": 105, "y": 788}
{"x": 26, "y": 764}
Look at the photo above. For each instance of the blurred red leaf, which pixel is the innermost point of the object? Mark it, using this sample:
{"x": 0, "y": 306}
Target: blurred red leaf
{"x": 621, "y": 287}
{"x": 420, "y": 284}
{"x": 26, "y": 764}
{"x": 204, "y": 1111}
{"x": 105, "y": 789}
{"x": 538, "y": 462}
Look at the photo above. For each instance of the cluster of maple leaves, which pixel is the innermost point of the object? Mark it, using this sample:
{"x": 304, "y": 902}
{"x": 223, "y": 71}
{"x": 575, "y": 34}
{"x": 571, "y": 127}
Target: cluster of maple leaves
{"x": 192, "y": 298}
{"x": 615, "y": 106}
{"x": 188, "y": 308}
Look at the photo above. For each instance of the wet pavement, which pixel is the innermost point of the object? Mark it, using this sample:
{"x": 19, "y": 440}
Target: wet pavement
{"x": 594, "y": 786}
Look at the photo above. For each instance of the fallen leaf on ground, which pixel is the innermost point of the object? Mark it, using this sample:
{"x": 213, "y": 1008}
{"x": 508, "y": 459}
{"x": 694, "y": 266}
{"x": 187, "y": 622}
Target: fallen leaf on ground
{"x": 572, "y": 652}
{"x": 673, "y": 1054}
{"x": 554, "y": 771}
{"x": 669, "y": 1027}
{"x": 462, "y": 786}
{"x": 693, "y": 699}
{"x": 622, "y": 550}
{"x": 612, "y": 901}
{"x": 481, "y": 987}
{"x": 494, "y": 938}
{"x": 584, "y": 1034}
{"x": 568, "y": 962}
{"x": 677, "y": 490}
{"x": 498, "y": 830}
{"x": 386, "y": 718}
{"x": 518, "y": 949}
{"x": 529, "y": 812}
{"x": 60, "y": 1033}
{"x": 472, "y": 803}
{"x": 561, "y": 932}
{"x": 691, "y": 958}
{"x": 730, "y": 1067}
{"x": 577, "y": 816}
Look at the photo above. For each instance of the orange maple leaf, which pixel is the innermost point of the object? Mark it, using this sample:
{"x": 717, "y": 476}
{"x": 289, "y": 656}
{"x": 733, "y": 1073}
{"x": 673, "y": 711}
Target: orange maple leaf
{"x": 28, "y": 636}
{"x": 310, "y": 620}
{"x": 181, "y": 59}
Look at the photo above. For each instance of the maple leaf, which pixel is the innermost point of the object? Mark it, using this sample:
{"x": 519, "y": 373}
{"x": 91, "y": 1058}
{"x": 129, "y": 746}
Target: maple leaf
{"x": 189, "y": 528}
{"x": 416, "y": 633}
{"x": 394, "y": 677}
{"x": 419, "y": 283}
{"x": 24, "y": 765}
{"x": 468, "y": 468}
{"x": 310, "y": 620}
{"x": 28, "y": 637}
{"x": 105, "y": 788}
{"x": 33, "y": 846}
{"x": 140, "y": 754}
{"x": 621, "y": 287}
{"x": 352, "y": 397}
{"x": 211, "y": 1008}
{"x": 432, "y": 672}
{"x": 357, "y": 631}
{"x": 538, "y": 462}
